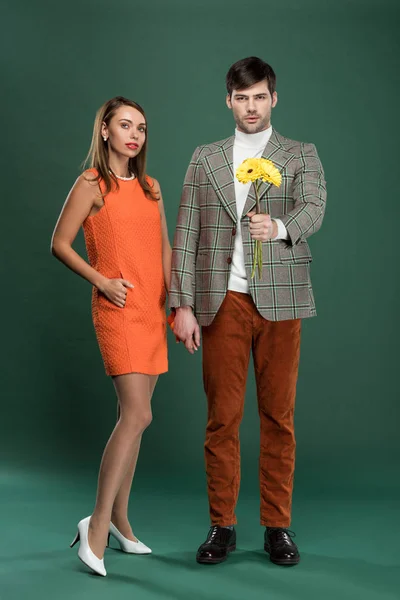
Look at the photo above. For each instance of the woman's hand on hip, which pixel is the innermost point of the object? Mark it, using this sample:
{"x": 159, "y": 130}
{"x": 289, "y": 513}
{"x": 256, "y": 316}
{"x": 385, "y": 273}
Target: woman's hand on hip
{"x": 115, "y": 290}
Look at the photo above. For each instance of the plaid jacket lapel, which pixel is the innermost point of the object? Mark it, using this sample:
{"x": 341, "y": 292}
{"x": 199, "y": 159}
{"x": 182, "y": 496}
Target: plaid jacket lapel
{"x": 219, "y": 169}
{"x": 275, "y": 152}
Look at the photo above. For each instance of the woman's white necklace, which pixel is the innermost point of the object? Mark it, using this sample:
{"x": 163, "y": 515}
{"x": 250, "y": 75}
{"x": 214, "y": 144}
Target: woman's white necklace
{"x": 124, "y": 178}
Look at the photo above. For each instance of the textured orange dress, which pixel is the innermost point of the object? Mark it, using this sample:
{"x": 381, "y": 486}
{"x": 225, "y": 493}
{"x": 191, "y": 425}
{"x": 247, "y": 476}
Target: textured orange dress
{"x": 124, "y": 240}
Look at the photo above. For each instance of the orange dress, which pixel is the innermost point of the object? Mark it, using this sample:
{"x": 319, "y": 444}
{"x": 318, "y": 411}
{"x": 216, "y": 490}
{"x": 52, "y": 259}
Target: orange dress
{"x": 124, "y": 240}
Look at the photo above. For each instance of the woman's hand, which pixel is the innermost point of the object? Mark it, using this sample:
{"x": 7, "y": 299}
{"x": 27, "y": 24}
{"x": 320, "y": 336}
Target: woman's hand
{"x": 115, "y": 290}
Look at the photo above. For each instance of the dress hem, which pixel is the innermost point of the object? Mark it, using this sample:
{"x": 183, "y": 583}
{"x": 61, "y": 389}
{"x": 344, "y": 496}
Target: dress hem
{"x": 143, "y": 371}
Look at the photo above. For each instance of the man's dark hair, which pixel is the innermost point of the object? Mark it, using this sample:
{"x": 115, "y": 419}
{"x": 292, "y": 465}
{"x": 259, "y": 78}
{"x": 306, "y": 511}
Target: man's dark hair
{"x": 248, "y": 71}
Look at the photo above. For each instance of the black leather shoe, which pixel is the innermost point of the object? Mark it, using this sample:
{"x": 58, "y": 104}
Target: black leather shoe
{"x": 220, "y": 541}
{"x": 281, "y": 548}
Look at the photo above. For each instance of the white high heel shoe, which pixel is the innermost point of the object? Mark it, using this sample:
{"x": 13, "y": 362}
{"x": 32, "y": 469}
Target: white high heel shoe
{"x": 84, "y": 552}
{"x": 127, "y": 545}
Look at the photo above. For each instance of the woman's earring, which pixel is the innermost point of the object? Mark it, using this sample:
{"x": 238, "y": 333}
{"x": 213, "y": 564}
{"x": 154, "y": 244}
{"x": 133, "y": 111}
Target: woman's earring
{"x": 104, "y": 138}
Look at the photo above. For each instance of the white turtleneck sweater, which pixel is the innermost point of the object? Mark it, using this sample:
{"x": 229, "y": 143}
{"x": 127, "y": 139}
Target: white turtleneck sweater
{"x": 246, "y": 145}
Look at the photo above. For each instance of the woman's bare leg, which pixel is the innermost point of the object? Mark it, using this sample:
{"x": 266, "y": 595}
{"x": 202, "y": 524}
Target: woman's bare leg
{"x": 133, "y": 391}
{"x": 119, "y": 515}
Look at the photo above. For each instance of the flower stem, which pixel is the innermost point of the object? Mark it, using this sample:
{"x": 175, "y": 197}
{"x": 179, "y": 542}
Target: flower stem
{"x": 257, "y": 249}
{"x": 256, "y": 187}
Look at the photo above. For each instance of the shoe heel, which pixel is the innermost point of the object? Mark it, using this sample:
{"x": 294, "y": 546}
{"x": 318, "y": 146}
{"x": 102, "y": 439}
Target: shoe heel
{"x": 108, "y": 541}
{"x": 232, "y": 548}
{"x": 75, "y": 540}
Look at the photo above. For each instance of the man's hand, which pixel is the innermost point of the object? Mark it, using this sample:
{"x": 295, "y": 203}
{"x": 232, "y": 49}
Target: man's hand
{"x": 262, "y": 227}
{"x": 186, "y": 328}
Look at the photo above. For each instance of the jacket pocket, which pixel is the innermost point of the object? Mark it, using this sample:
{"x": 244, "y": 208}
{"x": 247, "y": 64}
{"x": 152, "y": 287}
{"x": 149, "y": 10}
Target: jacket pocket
{"x": 298, "y": 254}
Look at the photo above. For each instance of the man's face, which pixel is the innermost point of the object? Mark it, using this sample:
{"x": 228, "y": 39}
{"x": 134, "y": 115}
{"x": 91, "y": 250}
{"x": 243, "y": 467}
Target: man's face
{"x": 252, "y": 107}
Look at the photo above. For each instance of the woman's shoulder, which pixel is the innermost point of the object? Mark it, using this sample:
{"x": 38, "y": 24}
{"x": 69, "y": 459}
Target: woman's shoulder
{"x": 88, "y": 182}
{"x": 152, "y": 181}
{"x": 90, "y": 174}
{"x": 91, "y": 178}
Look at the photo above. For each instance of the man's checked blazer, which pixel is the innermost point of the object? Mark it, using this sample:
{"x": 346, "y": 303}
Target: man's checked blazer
{"x": 206, "y": 227}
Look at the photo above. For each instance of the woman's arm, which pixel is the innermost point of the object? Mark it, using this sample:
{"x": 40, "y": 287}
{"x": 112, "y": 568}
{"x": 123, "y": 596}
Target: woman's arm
{"x": 166, "y": 246}
{"x": 83, "y": 197}
{"x": 77, "y": 207}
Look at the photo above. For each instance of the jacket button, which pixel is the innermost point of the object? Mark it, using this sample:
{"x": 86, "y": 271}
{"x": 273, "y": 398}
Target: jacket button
{"x": 234, "y": 231}
{"x": 229, "y": 260}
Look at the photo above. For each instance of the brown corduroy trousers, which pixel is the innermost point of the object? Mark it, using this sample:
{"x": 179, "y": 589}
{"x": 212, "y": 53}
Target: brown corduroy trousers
{"x": 237, "y": 329}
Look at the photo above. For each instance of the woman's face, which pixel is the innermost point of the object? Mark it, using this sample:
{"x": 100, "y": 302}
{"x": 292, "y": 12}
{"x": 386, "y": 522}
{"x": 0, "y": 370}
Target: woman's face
{"x": 126, "y": 132}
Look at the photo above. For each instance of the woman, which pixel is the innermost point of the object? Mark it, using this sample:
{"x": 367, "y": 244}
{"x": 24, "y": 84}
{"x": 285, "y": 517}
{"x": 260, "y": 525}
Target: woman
{"x": 122, "y": 214}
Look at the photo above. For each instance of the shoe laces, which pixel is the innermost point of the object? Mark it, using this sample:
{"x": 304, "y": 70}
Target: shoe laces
{"x": 216, "y": 534}
{"x": 283, "y": 536}
{"x": 213, "y": 533}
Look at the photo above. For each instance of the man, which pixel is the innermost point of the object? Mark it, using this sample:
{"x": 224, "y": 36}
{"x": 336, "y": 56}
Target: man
{"x": 212, "y": 287}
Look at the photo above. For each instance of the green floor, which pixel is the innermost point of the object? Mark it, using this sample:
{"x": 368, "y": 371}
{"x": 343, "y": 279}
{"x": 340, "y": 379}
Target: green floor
{"x": 348, "y": 540}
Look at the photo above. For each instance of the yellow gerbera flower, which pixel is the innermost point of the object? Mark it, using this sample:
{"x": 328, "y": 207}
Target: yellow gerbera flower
{"x": 249, "y": 170}
{"x": 270, "y": 173}
{"x": 252, "y": 169}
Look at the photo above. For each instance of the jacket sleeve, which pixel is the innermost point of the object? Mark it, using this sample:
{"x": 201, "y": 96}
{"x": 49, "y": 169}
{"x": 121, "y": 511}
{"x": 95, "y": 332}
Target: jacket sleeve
{"x": 309, "y": 193}
{"x": 186, "y": 239}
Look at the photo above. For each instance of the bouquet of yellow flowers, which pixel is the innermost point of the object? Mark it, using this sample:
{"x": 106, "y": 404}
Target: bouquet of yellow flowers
{"x": 257, "y": 170}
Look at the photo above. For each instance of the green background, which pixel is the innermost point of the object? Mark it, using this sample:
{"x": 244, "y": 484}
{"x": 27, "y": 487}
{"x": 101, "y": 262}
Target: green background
{"x": 338, "y": 86}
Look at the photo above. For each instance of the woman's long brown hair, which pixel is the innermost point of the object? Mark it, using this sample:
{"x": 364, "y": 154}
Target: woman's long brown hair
{"x": 97, "y": 156}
